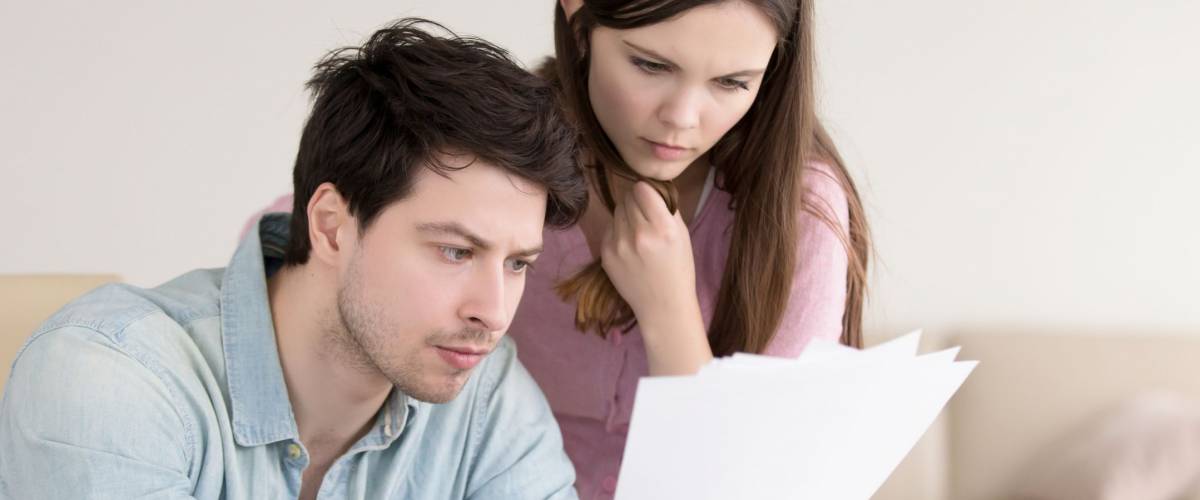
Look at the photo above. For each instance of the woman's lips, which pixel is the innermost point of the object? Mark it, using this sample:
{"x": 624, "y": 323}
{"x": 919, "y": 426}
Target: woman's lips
{"x": 666, "y": 152}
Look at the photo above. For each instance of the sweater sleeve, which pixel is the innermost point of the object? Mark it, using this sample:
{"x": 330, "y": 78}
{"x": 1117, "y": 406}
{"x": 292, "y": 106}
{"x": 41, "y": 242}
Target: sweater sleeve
{"x": 818, "y": 294}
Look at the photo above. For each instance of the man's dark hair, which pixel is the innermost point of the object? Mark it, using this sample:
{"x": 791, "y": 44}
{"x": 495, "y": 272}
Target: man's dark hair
{"x": 385, "y": 110}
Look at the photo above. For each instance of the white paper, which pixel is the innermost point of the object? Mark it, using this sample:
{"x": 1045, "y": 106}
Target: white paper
{"x": 830, "y": 425}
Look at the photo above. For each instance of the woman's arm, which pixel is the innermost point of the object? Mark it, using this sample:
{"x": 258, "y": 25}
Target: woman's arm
{"x": 676, "y": 346}
{"x": 818, "y": 293}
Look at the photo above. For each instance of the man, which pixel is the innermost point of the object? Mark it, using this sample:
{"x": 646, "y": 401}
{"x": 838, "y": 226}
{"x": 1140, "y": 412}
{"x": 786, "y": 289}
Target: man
{"x": 354, "y": 350}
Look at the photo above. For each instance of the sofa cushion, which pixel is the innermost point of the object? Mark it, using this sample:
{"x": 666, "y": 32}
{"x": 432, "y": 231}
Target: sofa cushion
{"x": 1148, "y": 448}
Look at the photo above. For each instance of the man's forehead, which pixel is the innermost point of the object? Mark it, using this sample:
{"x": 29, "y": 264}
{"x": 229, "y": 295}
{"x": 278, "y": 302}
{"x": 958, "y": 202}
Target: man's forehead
{"x": 477, "y": 201}
{"x": 450, "y": 170}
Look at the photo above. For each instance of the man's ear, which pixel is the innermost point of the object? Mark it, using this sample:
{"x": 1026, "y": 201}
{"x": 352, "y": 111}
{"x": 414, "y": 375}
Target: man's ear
{"x": 330, "y": 224}
{"x": 570, "y": 6}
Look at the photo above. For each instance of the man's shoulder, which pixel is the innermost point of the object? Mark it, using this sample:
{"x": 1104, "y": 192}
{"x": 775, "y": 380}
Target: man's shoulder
{"x": 111, "y": 310}
{"x": 100, "y": 386}
{"x": 122, "y": 339}
{"x": 153, "y": 326}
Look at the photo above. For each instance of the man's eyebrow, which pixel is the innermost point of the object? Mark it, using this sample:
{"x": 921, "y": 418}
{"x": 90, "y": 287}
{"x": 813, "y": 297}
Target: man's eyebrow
{"x": 656, "y": 55}
{"x": 528, "y": 253}
{"x": 456, "y": 229}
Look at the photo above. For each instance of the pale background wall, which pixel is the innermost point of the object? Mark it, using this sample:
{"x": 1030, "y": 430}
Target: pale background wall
{"x": 1024, "y": 162}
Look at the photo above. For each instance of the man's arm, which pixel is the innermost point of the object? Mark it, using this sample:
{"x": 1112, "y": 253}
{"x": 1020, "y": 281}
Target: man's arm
{"x": 82, "y": 418}
{"x": 519, "y": 450}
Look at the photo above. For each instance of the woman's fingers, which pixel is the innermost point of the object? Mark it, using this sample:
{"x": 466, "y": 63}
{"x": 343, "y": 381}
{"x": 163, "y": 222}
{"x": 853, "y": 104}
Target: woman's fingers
{"x": 622, "y": 223}
{"x": 636, "y": 215}
{"x": 650, "y": 204}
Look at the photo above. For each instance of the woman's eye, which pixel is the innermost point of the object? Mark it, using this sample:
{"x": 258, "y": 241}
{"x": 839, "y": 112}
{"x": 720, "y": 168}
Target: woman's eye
{"x": 455, "y": 254}
{"x": 733, "y": 84}
{"x": 649, "y": 66}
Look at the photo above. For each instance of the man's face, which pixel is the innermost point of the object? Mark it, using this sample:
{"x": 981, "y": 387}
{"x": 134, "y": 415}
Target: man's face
{"x": 433, "y": 283}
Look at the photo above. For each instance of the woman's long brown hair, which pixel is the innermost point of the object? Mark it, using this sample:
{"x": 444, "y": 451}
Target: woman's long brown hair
{"x": 761, "y": 161}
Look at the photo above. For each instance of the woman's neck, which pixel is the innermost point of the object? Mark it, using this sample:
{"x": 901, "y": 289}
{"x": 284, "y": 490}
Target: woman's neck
{"x": 689, "y": 184}
{"x": 595, "y": 220}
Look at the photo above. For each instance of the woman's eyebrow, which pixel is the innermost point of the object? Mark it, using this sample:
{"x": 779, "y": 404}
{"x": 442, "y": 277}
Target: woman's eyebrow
{"x": 665, "y": 60}
{"x": 652, "y": 53}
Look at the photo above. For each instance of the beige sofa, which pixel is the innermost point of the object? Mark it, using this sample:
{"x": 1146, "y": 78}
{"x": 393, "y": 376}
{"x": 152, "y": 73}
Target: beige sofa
{"x": 1031, "y": 388}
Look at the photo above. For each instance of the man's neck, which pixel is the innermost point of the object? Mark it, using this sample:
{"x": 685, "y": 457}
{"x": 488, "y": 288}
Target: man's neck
{"x": 334, "y": 401}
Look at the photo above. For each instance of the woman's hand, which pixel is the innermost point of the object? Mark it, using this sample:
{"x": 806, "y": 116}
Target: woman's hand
{"x": 647, "y": 254}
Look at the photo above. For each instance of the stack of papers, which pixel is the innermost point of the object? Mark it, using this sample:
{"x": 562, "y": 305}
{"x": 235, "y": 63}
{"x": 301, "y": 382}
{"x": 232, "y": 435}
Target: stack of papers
{"x": 830, "y": 425}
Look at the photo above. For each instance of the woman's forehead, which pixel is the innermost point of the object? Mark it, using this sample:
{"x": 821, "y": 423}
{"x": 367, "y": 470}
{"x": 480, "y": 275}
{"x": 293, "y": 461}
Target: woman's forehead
{"x": 724, "y": 37}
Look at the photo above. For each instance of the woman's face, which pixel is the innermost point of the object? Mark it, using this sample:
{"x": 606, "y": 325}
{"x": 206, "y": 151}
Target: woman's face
{"x": 667, "y": 92}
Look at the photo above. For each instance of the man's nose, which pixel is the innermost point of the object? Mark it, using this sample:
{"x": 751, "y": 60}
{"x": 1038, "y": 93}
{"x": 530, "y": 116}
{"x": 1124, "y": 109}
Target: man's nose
{"x": 484, "y": 306}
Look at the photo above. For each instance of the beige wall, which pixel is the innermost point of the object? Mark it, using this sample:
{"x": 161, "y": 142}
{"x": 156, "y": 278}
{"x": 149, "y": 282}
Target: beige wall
{"x": 1023, "y": 162}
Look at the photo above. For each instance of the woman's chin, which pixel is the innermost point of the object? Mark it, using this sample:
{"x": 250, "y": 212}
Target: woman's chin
{"x": 661, "y": 170}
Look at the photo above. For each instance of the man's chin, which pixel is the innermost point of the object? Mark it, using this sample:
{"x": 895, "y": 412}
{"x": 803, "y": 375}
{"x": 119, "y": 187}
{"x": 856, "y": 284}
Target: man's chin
{"x": 444, "y": 392}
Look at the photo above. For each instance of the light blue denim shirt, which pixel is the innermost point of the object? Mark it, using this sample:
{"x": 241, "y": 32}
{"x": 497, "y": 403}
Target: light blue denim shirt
{"x": 177, "y": 392}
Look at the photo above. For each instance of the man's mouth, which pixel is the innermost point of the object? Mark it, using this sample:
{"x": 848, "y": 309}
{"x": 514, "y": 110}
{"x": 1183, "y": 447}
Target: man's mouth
{"x": 462, "y": 357}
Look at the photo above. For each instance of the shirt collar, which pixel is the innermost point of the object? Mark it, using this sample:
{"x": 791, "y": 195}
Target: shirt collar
{"x": 393, "y": 419}
{"x": 258, "y": 396}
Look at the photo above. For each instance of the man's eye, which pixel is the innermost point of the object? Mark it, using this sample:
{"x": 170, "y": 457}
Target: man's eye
{"x": 455, "y": 254}
{"x": 517, "y": 265}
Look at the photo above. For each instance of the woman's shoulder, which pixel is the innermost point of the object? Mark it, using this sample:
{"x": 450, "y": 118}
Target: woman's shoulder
{"x": 823, "y": 193}
{"x": 818, "y": 177}
{"x": 822, "y": 178}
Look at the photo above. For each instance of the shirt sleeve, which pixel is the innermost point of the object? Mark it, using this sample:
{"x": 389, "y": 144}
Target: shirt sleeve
{"x": 517, "y": 444}
{"x": 82, "y": 419}
{"x": 818, "y": 293}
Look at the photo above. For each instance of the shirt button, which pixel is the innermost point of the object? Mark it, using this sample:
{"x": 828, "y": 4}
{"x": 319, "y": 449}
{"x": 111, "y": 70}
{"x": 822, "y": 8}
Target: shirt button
{"x": 609, "y": 484}
{"x": 294, "y": 451}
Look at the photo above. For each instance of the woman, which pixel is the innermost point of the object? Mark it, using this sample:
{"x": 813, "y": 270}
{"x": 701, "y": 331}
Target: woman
{"x": 709, "y": 106}
{"x": 721, "y": 214}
